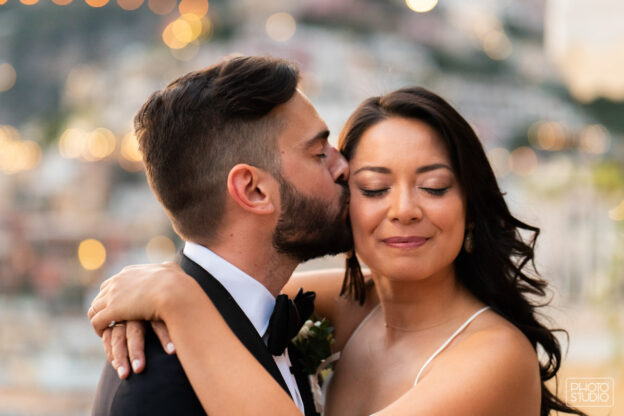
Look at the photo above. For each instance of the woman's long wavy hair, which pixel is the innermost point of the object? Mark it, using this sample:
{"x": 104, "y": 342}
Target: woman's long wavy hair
{"x": 495, "y": 269}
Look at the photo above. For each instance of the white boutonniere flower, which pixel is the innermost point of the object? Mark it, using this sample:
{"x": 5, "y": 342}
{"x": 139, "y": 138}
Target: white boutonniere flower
{"x": 314, "y": 345}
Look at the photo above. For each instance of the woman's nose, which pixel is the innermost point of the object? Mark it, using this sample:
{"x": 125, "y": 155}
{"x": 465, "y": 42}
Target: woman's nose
{"x": 404, "y": 207}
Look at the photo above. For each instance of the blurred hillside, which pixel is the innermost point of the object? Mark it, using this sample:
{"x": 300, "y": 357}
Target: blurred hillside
{"x": 539, "y": 81}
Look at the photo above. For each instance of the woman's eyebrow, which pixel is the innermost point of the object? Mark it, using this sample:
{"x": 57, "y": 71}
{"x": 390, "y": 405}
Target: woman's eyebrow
{"x": 377, "y": 169}
{"x": 434, "y": 166}
{"x": 421, "y": 169}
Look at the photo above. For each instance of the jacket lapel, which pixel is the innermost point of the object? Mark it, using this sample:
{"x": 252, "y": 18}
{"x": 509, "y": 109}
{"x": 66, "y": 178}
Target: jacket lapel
{"x": 234, "y": 317}
{"x": 303, "y": 382}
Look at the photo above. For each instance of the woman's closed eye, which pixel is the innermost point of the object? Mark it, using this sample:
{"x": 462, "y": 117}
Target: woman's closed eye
{"x": 372, "y": 193}
{"x": 435, "y": 191}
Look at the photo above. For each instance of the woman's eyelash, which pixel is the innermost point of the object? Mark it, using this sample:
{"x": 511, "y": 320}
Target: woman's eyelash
{"x": 373, "y": 192}
{"x": 436, "y": 191}
{"x": 379, "y": 192}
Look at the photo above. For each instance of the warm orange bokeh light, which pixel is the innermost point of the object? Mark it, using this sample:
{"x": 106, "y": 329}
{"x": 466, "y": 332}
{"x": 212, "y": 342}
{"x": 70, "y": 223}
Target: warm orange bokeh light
{"x": 182, "y": 31}
{"x": 61, "y": 2}
{"x": 130, "y": 4}
{"x": 91, "y": 254}
{"x": 97, "y": 3}
{"x": 197, "y": 7}
{"x": 2, "y": 2}
{"x": 29, "y": 2}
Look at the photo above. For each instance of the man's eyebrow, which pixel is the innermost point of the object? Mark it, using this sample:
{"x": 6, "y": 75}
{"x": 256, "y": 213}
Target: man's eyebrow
{"x": 422, "y": 169}
{"x": 322, "y": 135}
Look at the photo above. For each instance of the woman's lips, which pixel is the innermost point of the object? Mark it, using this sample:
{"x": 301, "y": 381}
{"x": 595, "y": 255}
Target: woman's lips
{"x": 405, "y": 242}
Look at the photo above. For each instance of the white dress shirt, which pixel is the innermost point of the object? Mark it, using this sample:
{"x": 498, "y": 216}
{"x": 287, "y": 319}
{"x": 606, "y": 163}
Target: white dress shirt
{"x": 252, "y": 297}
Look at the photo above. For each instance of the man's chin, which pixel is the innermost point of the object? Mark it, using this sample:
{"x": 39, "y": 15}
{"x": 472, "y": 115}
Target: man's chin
{"x": 329, "y": 243}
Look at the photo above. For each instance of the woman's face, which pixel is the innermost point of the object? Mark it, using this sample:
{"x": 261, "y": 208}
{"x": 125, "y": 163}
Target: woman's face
{"x": 407, "y": 209}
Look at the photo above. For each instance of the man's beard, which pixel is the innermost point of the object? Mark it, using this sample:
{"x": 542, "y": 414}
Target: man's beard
{"x": 308, "y": 227}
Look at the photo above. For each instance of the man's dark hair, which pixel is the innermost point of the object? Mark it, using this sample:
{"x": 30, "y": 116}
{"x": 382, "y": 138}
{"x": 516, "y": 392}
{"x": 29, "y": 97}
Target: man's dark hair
{"x": 196, "y": 129}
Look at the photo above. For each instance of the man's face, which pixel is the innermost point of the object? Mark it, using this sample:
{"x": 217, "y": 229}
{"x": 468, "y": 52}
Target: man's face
{"x": 314, "y": 198}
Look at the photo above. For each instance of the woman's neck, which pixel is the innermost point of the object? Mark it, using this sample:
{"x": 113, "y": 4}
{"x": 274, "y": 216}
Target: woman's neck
{"x": 418, "y": 305}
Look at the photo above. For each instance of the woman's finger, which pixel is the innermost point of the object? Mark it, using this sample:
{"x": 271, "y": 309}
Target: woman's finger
{"x": 162, "y": 332}
{"x": 108, "y": 347}
{"x": 120, "y": 351}
{"x": 135, "y": 332}
{"x": 90, "y": 312}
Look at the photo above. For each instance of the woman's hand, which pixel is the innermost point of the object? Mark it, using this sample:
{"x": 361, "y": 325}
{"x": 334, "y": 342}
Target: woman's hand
{"x": 138, "y": 293}
{"x": 125, "y": 345}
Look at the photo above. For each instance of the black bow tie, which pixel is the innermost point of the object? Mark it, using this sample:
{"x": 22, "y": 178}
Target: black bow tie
{"x": 287, "y": 319}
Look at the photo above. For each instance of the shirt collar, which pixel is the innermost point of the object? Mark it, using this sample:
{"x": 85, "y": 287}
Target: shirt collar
{"x": 251, "y": 296}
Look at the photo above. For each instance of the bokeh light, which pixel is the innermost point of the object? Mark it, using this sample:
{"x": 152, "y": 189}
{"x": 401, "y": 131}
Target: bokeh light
{"x": 499, "y": 160}
{"x": 130, "y": 4}
{"x": 17, "y": 155}
{"x": 130, "y": 148}
{"x": 62, "y": 2}
{"x": 617, "y": 213}
{"x": 3, "y": 2}
{"x": 161, "y": 7}
{"x": 548, "y": 135}
{"x": 421, "y": 6}
{"x": 131, "y": 158}
{"x": 497, "y": 45}
{"x": 91, "y": 254}
{"x": 29, "y": 2}
{"x": 198, "y": 8}
{"x": 97, "y": 3}
{"x": 159, "y": 249}
{"x": 182, "y": 31}
{"x": 8, "y": 133}
{"x": 281, "y": 26}
{"x": 101, "y": 143}
{"x": 523, "y": 161}
{"x": 594, "y": 139}
{"x": 8, "y": 76}
{"x": 72, "y": 142}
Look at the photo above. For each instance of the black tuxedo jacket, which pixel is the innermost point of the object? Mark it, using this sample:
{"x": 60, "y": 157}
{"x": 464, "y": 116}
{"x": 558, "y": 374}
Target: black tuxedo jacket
{"x": 162, "y": 388}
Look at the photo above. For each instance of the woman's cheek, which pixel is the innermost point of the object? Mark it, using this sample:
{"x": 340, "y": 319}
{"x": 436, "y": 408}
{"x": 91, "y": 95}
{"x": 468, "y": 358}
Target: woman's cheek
{"x": 364, "y": 220}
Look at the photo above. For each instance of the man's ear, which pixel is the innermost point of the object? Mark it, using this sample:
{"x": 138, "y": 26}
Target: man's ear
{"x": 252, "y": 189}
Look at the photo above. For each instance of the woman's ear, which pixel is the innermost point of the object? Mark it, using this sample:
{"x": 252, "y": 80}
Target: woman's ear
{"x": 253, "y": 189}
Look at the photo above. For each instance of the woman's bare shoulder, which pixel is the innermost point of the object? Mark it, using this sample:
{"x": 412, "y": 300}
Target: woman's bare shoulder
{"x": 494, "y": 364}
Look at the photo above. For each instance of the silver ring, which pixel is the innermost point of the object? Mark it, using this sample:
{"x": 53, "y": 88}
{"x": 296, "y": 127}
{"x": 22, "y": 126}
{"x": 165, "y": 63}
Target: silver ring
{"x": 112, "y": 324}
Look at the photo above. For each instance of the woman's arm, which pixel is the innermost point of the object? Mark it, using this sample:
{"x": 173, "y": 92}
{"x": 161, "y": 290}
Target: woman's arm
{"x": 343, "y": 314}
{"x": 224, "y": 375}
{"x": 124, "y": 345}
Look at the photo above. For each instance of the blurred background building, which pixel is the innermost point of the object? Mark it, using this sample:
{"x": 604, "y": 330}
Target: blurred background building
{"x": 539, "y": 80}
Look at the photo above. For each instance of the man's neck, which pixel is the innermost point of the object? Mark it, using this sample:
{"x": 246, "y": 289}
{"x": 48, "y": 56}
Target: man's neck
{"x": 264, "y": 264}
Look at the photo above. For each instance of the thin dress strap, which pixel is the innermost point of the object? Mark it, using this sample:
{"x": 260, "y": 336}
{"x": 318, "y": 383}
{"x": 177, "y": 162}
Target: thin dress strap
{"x": 448, "y": 341}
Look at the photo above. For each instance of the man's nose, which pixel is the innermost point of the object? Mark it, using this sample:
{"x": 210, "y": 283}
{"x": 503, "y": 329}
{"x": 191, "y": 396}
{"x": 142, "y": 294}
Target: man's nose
{"x": 339, "y": 167}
